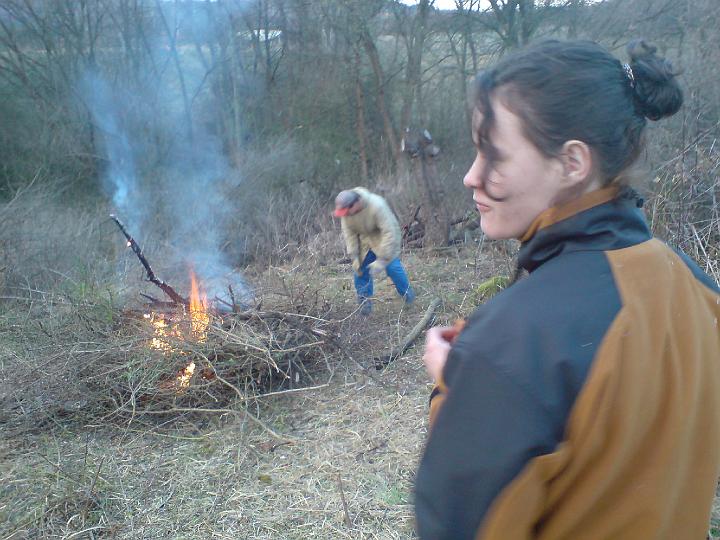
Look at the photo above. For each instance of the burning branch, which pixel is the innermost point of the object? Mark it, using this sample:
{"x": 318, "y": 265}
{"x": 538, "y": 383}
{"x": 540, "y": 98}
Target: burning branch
{"x": 167, "y": 289}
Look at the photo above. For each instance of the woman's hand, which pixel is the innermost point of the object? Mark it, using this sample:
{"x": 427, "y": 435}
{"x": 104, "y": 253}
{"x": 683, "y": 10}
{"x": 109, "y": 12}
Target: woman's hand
{"x": 437, "y": 347}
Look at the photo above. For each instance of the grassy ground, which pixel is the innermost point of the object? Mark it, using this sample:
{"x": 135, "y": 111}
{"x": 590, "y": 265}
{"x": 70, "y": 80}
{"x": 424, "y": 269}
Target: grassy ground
{"x": 342, "y": 468}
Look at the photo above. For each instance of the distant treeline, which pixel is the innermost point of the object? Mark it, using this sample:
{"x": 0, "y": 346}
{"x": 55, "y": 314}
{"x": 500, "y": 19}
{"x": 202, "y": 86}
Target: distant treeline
{"x": 315, "y": 96}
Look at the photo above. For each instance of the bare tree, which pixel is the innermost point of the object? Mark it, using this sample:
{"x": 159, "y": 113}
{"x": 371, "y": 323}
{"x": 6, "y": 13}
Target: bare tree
{"x": 516, "y": 22}
{"x": 380, "y": 84}
{"x": 360, "y": 118}
{"x": 462, "y": 42}
{"x": 413, "y": 31}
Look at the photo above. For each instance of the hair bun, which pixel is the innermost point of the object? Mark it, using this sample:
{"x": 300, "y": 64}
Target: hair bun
{"x": 657, "y": 93}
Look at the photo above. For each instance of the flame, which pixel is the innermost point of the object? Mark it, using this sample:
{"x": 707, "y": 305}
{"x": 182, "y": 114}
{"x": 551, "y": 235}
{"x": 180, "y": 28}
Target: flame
{"x": 167, "y": 326}
{"x": 199, "y": 316}
{"x": 163, "y": 331}
{"x": 199, "y": 321}
{"x": 185, "y": 375}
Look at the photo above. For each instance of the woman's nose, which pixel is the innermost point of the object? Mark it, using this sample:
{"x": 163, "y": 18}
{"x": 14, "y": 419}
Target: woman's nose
{"x": 472, "y": 177}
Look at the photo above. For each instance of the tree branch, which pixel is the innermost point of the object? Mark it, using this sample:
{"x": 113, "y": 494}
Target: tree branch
{"x": 167, "y": 289}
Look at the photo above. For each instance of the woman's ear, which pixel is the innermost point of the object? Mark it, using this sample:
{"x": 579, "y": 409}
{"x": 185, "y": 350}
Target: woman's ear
{"x": 577, "y": 163}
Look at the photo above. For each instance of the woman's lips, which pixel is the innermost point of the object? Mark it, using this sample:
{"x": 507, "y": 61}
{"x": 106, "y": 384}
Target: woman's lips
{"x": 481, "y": 207}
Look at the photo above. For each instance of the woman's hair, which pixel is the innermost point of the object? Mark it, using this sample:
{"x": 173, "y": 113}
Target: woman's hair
{"x": 564, "y": 90}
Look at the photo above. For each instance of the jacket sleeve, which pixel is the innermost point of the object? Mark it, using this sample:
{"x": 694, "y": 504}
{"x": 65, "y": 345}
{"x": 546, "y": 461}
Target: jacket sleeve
{"x": 488, "y": 428}
{"x": 390, "y": 233}
{"x": 437, "y": 396}
{"x": 352, "y": 242}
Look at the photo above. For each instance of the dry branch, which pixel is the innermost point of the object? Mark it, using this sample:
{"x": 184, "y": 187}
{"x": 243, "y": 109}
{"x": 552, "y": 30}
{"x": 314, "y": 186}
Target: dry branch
{"x": 242, "y": 358}
{"x": 167, "y": 289}
{"x": 132, "y": 371}
{"x": 346, "y": 513}
{"x": 397, "y": 352}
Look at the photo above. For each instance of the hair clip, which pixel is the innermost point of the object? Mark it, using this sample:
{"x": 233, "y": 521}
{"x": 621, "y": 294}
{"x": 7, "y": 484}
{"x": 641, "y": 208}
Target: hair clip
{"x": 629, "y": 74}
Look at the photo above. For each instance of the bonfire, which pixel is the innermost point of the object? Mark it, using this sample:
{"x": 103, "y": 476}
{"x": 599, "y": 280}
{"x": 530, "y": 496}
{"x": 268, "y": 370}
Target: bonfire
{"x": 207, "y": 354}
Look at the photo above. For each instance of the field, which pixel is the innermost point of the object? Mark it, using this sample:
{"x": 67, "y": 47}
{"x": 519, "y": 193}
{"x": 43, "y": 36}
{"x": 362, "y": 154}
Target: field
{"x": 333, "y": 460}
{"x": 341, "y": 466}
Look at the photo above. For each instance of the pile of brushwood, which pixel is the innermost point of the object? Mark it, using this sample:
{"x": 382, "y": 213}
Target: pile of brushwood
{"x": 100, "y": 363}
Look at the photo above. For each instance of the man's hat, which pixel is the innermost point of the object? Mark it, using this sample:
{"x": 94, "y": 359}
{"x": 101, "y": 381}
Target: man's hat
{"x": 344, "y": 201}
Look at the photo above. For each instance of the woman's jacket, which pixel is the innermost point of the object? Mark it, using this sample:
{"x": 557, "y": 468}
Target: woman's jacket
{"x": 583, "y": 402}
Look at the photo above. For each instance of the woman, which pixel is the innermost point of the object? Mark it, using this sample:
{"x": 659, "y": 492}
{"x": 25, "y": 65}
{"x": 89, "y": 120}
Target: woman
{"x": 583, "y": 402}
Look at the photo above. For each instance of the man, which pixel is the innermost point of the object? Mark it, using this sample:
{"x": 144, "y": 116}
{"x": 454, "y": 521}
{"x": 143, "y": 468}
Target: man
{"x": 372, "y": 237}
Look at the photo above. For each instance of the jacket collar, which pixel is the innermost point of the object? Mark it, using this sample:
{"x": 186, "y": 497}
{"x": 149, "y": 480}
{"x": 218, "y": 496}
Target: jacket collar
{"x": 609, "y": 218}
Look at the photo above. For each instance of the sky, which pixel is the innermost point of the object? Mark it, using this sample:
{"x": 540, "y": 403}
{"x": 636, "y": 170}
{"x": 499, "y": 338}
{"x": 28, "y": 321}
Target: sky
{"x": 439, "y": 4}
{"x": 450, "y": 4}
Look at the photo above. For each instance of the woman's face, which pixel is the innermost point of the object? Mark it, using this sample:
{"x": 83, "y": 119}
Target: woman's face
{"x": 522, "y": 182}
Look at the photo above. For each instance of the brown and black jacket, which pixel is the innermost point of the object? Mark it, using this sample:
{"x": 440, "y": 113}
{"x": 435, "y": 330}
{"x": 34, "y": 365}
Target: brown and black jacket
{"x": 583, "y": 402}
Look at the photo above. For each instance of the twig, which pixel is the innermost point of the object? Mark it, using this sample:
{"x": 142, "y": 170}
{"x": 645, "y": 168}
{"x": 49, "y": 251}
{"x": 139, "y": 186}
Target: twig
{"x": 243, "y": 399}
{"x": 91, "y": 491}
{"x": 232, "y": 298}
{"x": 689, "y": 146}
{"x": 157, "y": 303}
{"x": 295, "y": 390}
{"x": 348, "y": 521}
{"x": 78, "y": 533}
{"x": 167, "y": 289}
{"x": 223, "y": 302}
{"x": 708, "y": 267}
{"x": 381, "y": 362}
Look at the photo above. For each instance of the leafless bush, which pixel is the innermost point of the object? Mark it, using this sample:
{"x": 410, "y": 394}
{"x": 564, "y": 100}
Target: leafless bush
{"x": 72, "y": 344}
{"x": 46, "y": 242}
{"x": 94, "y": 361}
{"x": 279, "y": 211}
{"x": 683, "y": 207}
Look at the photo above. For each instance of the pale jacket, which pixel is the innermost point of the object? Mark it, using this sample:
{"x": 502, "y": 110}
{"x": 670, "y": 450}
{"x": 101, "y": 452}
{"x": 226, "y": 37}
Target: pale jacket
{"x": 374, "y": 227}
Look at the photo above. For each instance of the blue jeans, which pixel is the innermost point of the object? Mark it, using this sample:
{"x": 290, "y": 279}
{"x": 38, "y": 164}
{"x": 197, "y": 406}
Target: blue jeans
{"x": 395, "y": 271}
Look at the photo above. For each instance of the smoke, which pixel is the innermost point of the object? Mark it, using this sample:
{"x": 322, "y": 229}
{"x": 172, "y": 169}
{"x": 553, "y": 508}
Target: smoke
{"x": 165, "y": 172}
{"x": 120, "y": 180}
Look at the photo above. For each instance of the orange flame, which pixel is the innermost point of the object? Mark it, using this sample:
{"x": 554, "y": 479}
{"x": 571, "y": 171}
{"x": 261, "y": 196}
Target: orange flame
{"x": 168, "y": 329}
{"x": 185, "y": 375}
{"x": 199, "y": 316}
{"x": 163, "y": 332}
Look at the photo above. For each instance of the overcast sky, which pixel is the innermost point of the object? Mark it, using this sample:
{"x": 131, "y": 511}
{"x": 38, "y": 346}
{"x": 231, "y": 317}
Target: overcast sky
{"x": 450, "y": 4}
{"x": 439, "y": 4}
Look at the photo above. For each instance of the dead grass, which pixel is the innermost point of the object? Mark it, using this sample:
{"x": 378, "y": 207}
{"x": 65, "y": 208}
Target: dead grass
{"x": 357, "y": 439}
{"x": 231, "y": 480}
{"x": 222, "y": 475}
